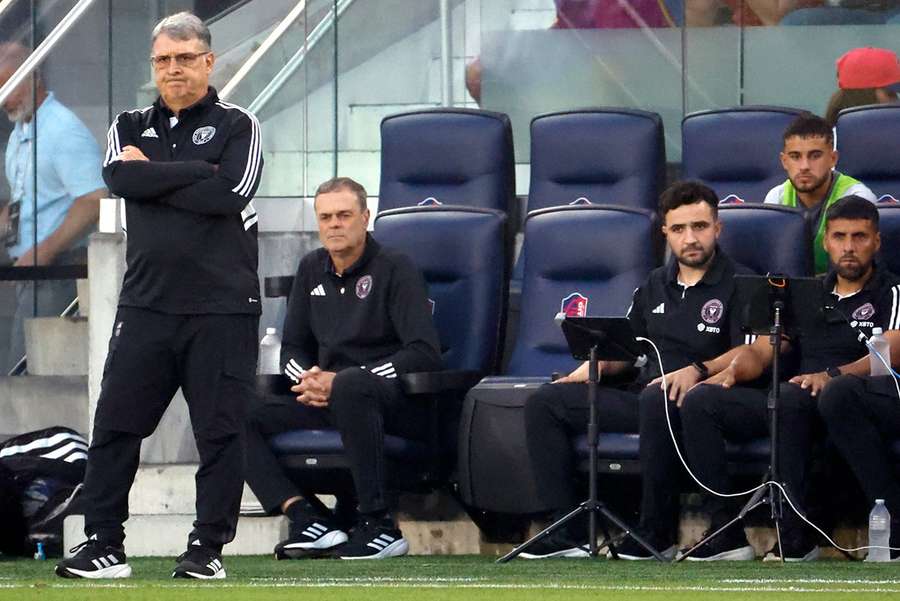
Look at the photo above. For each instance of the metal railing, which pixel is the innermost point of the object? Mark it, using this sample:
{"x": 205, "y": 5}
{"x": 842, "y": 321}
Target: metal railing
{"x": 40, "y": 53}
{"x": 273, "y": 37}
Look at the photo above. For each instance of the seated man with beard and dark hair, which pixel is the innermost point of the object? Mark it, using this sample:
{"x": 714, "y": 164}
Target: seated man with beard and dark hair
{"x": 861, "y": 296}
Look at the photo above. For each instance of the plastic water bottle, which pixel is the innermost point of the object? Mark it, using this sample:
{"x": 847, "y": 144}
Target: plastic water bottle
{"x": 879, "y": 343}
{"x": 879, "y": 532}
{"x": 39, "y": 552}
{"x": 269, "y": 353}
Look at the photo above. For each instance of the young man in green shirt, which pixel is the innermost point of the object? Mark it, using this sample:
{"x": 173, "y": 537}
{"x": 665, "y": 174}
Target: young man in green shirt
{"x": 813, "y": 184}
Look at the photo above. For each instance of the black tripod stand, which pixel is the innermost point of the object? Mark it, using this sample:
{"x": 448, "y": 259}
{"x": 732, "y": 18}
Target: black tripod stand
{"x": 585, "y": 340}
{"x": 767, "y": 301}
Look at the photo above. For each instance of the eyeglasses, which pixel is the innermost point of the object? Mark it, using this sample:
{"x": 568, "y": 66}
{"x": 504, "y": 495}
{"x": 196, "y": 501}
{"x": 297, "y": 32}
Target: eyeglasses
{"x": 185, "y": 59}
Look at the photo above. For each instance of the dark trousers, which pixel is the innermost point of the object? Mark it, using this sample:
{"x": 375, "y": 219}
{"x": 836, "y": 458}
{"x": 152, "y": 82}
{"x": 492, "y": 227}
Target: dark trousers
{"x": 661, "y": 470}
{"x": 362, "y": 407}
{"x": 212, "y": 358}
{"x": 712, "y": 415}
{"x": 553, "y": 415}
{"x": 862, "y": 416}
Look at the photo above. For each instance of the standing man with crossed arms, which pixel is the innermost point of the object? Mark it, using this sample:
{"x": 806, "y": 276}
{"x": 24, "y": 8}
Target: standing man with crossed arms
{"x": 188, "y": 315}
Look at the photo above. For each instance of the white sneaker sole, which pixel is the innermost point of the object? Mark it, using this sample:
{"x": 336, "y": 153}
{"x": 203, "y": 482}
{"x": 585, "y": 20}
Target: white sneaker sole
{"x": 811, "y": 556}
{"x": 395, "y": 549}
{"x": 217, "y": 576}
{"x": 668, "y": 555}
{"x": 329, "y": 540}
{"x": 573, "y": 553}
{"x": 122, "y": 570}
{"x": 740, "y": 554}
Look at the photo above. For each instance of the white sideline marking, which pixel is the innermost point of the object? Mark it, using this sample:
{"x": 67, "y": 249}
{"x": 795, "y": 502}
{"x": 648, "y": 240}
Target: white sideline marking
{"x": 398, "y": 583}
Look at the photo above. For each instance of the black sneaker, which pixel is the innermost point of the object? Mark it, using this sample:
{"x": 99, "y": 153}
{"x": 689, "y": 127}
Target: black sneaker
{"x": 94, "y": 559}
{"x": 630, "y": 550}
{"x": 199, "y": 562}
{"x": 374, "y": 540}
{"x": 731, "y": 545}
{"x": 557, "y": 544}
{"x": 315, "y": 537}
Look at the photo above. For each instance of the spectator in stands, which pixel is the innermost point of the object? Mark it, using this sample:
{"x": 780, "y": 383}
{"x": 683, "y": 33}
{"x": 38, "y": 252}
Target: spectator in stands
{"x": 686, "y": 308}
{"x": 189, "y": 307}
{"x": 865, "y": 76}
{"x": 858, "y": 289}
{"x": 841, "y": 12}
{"x": 52, "y": 207}
{"x": 358, "y": 317}
{"x": 813, "y": 184}
{"x": 862, "y": 416}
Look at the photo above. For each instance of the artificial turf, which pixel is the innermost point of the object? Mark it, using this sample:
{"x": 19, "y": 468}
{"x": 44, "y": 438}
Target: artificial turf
{"x": 464, "y": 578}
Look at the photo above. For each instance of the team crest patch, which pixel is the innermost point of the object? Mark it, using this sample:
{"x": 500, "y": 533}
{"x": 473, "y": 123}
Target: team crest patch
{"x": 574, "y": 305}
{"x": 202, "y": 135}
{"x": 712, "y": 311}
{"x": 364, "y": 286}
{"x": 864, "y": 313}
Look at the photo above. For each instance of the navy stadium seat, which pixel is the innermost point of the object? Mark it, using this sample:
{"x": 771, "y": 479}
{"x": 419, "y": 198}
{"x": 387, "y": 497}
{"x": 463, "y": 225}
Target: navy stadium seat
{"x": 606, "y": 156}
{"x": 581, "y": 260}
{"x": 868, "y": 144}
{"x": 767, "y": 238}
{"x": 454, "y": 156}
{"x": 461, "y": 254}
{"x": 735, "y": 151}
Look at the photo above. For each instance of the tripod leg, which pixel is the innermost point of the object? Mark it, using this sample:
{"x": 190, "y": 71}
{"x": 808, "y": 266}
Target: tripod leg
{"x": 558, "y": 524}
{"x": 778, "y": 539}
{"x": 755, "y": 501}
{"x": 610, "y": 516}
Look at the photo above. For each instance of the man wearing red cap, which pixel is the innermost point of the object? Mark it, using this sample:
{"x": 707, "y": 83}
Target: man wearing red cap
{"x": 865, "y": 76}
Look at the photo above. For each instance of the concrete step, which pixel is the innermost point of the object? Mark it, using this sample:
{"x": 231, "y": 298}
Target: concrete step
{"x": 170, "y": 489}
{"x": 166, "y": 534}
{"x": 34, "y": 402}
{"x": 57, "y": 346}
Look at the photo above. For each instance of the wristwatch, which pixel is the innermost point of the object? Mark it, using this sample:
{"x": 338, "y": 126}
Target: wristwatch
{"x": 704, "y": 372}
{"x": 833, "y": 372}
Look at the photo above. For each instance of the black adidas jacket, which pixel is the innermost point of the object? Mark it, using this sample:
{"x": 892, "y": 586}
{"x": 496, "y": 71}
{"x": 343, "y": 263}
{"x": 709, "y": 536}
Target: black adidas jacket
{"x": 191, "y": 227}
{"x": 375, "y": 316}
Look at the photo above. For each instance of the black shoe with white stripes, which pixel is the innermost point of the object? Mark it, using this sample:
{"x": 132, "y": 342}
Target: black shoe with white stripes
{"x": 314, "y": 537}
{"x": 199, "y": 562}
{"x": 94, "y": 559}
{"x": 374, "y": 540}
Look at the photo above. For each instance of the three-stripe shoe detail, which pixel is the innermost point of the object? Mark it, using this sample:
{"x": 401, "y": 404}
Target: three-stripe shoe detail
{"x": 374, "y": 541}
{"x": 313, "y": 538}
{"x": 385, "y": 371}
{"x": 381, "y": 542}
{"x": 105, "y": 562}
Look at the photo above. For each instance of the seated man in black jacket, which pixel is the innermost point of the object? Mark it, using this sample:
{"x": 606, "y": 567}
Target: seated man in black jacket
{"x": 686, "y": 308}
{"x": 358, "y": 317}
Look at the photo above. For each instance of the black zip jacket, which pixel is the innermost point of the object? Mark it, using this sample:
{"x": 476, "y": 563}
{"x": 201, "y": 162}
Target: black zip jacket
{"x": 375, "y": 316}
{"x": 191, "y": 226}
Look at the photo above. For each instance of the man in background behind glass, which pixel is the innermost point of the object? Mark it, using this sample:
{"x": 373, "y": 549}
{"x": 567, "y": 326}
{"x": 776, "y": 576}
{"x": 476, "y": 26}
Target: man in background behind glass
{"x": 53, "y": 206}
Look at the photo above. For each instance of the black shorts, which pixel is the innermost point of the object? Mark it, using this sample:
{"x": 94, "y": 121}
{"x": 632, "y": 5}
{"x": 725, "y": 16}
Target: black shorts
{"x": 211, "y": 357}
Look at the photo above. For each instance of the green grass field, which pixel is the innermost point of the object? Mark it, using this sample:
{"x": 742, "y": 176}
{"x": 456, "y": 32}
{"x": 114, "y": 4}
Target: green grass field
{"x": 464, "y": 578}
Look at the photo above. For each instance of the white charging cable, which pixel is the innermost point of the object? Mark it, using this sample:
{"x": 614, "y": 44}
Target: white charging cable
{"x": 752, "y": 490}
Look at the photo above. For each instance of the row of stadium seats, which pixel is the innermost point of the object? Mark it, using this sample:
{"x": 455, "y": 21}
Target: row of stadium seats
{"x": 590, "y": 239}
{"x": 580, "y": 259}
{"x": 614, "y": 156}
